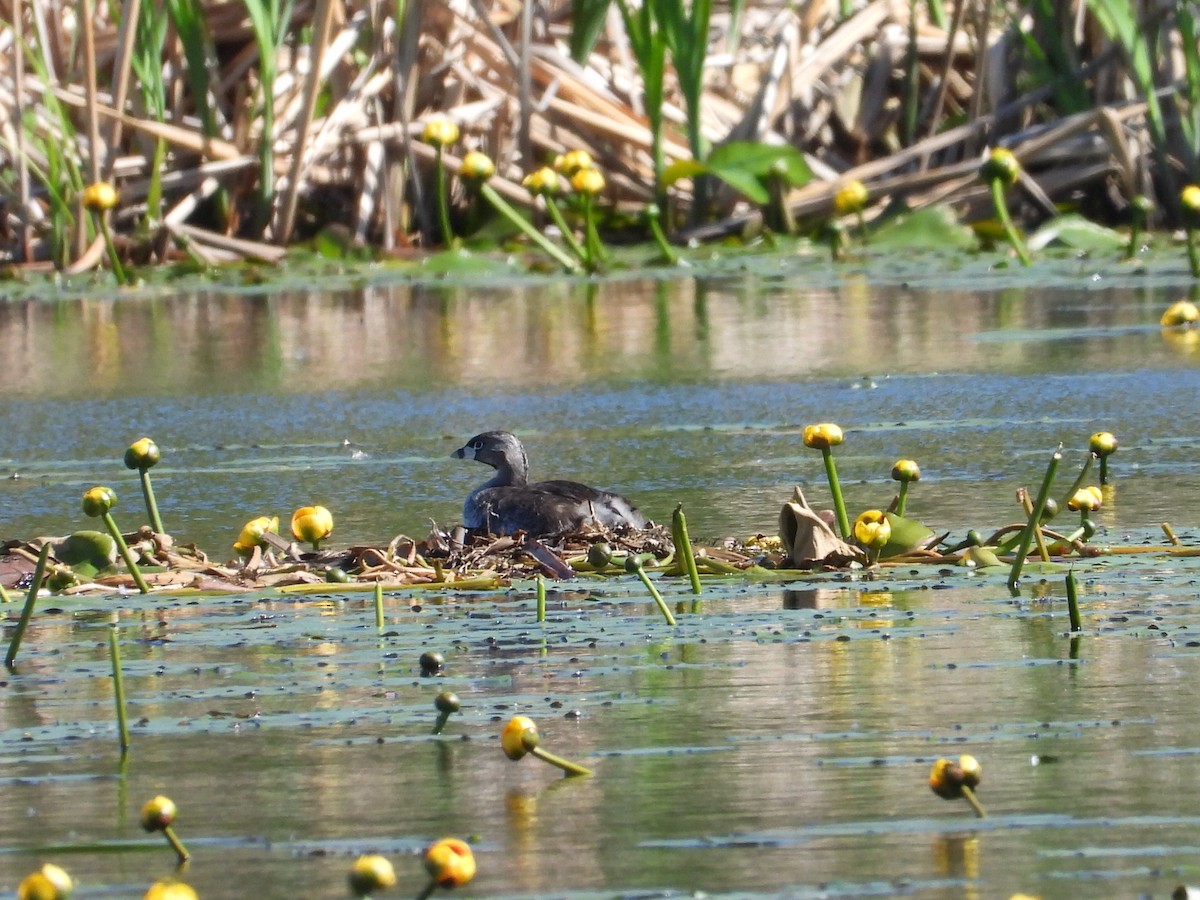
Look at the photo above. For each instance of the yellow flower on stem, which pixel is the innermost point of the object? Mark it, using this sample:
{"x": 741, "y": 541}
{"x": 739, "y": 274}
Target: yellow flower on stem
{"x": 440, "y": 131}
{"x": 1001, "y": 170}
{"x": 371, "y": 873}
{"x": 48, "y": 883}
{"x": 312, "y": 524}
{"x": 1189, "y": 198}
{"x": 818, "y": 437}
{"x": 450, "y": 863}
{"x": 476, "y": 167}
{"x": 873, "y": 530}
{"x": 170, "y": 890}
{"x": 158, "y": 814}
{"x": 825, "y": 437}
{"x": 252, "y": 533}
{"x": 905, "y": 471}
{"x": 572, "y": 161}
{"x": 1086, "y": 499}
{"x": 851, "y": 197}
{"x": 97, "y": 502}
{"x": 520, "y": 737}
{"x": 1103, "y": 444}
{"x": 951, "y": 780}
{"x": 542, "y": 182}
{"x": 588, "y": 181}
{"x": 142, "y": 455}
{"x": 100, "y": 197}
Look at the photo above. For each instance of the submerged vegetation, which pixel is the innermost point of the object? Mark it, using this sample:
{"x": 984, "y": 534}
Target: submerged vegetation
{"x": 197, "y": 132}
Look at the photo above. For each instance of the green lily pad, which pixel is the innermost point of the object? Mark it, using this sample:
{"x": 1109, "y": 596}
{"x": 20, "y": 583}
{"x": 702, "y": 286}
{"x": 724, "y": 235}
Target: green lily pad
{"x": 907, "y": 535}
{"x": 934, "y": 228}
{"x": 88, "y": 553}
{"x": 1078, "y": 233}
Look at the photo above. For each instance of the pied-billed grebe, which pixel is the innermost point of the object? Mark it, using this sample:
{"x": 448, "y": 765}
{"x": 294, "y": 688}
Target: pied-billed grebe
{"x": 508, "y": 503}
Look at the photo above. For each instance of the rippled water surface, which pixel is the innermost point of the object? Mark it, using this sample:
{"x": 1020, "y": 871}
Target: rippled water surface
{"x": 777, "y": 742}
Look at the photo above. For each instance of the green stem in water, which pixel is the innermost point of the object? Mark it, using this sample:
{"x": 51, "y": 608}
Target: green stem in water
{"x": 653, "y": 217}
{"x": 39, "y": 572}
{"x": 560, "y": 222}
{"x": 505, "y": 209}
{"x": 176, "y": 844}
{"x": 151, "y": 503}
{"x": 541, "y": 599}
{"x": 973, "y": 800}
{"x": 1073, "y": 603}
{"x": 1193, "y": 252}
{"x": 442, "y": 719}
{"x": 1014, "y": 574}
{"x": 443, "y": 199}
{"x": 683, "y": 545}
{"x": 591, "y": 237}
{"x": 4, "y": 598}
{"x": 379, "y": 606}
{"x": 835, "y": 488}
{"x": 1010, "y": 230}
{"x": 118, "y": 269}
{"x": 902, "y": 500}
{"x": 426, "y": 892}
{"x": 635, "y": 564}
{"x": 126, "y": 555}
{"x": 570, "y": 768}
{"x": 114, "y": 652}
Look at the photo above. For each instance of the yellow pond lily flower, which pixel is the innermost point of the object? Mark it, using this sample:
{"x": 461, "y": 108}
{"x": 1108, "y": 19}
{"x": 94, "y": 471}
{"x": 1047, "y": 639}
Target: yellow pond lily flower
{"x": 1001, "y": 165}
{"x": 98, "y": 500}
{"x": 518, "y": 735}
{"x": 906, "y": 470}
{"x": 158, "y": 813}
{"x": 312, "y": 524}
{"x": 371, "y": 873}
{"x": 440, "y": 131}
{"x": 1189, "y": 198}
{"x": 1102, "y": 443}
{"x": 476, "y": 167}
{"x": 588, "y": 181}
{"x": 47, "y": 883}
{"x": 851, "y": 197}
{"x": 100, "y": 197}
{"x": 541, "y": 182}
{"x": 872, "y": 529}
{"x": 170, "y": 890}
{"x": 820, "y": 437}
{"x": 1087, "y": 499}
{"x": 948, "y": 778}
{"x": 572, "y": 161}
{"x": 252, "y": 533}
{"x": 142, "y": 454}
{"x": 450, "y": 862}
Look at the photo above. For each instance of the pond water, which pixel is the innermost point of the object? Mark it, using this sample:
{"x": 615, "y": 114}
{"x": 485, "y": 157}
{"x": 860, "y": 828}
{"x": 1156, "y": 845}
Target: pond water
{"x": 776, "y": 743}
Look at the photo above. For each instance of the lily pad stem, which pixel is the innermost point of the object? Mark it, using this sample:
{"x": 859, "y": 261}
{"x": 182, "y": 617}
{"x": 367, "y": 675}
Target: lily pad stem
{"x": 114, "y": 651}
{"x": 1073, "y": 603}
{"x": 151, "y": 503}
{"x": 505, "y": 209}
{"x": 541, "y": 599}
{"x": 974, "y": 801}
{"x": 640, "y": 571}
{"x": 443, "y": 199}
{"x": 1014, "y": 574}
{"x": 39, "y": 572}
{"x": 1010, "y": 230}
{"x": 571, "y": 769}
{"x": 835, "y": 488}
{"x": 114, "y": 259}
{"x": 902, "y": 500}
{"x": 126, "y": 555}
{"x": 568, "y": 234}
{"x": 1193, "y": 251}
{"x": 176, "y": 844}
{"x": 1083, "y": 474}
{"x": 653, "y": 217}
{"x": 379, "y": 606}
{"x": 683, "y": 545}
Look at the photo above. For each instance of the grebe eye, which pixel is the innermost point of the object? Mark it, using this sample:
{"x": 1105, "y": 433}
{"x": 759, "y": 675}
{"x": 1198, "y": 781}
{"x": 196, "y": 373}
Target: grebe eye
{"x": 477, "y": 445}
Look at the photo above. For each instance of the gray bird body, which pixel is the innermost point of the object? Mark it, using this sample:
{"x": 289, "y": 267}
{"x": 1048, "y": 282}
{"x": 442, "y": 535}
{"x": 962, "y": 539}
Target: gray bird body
{"x": 507, "y": 502}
